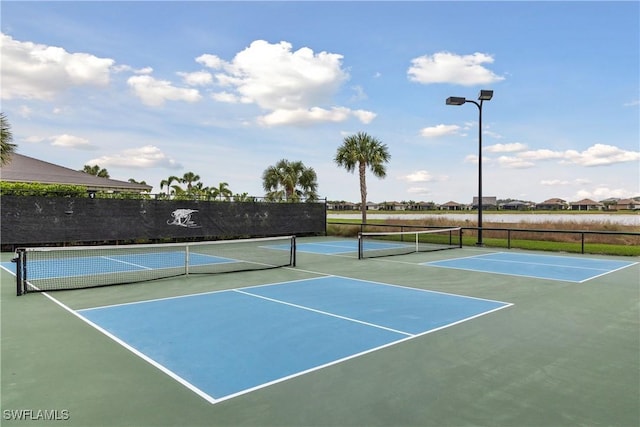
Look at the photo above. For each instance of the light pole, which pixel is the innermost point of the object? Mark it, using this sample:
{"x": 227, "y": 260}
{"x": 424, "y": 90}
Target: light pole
{"x": 485, "y": 95}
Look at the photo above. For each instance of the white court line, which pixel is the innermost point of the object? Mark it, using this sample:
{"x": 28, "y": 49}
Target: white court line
{"x": 125, "y": 263}
{"x": 326, "y": 313}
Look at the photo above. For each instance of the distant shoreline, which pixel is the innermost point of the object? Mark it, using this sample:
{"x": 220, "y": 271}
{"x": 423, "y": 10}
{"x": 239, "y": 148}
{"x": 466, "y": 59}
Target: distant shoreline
{"x": 632, "y": 219}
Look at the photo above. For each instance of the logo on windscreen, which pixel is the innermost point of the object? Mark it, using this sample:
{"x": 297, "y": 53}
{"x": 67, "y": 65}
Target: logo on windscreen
{"x": 182, "y": 218}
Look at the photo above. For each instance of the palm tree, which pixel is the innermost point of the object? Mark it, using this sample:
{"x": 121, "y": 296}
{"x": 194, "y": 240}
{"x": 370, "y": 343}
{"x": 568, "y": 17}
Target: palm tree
{"x": 189, "y": 178}
{"x": 168, "y": 183}
{"x": 290, "y": 181}
{"x": 362, "y": 150}
{"x": 7, "y": 148}
{"x": 96, "y": 170}
{"x": 222, "y": 190}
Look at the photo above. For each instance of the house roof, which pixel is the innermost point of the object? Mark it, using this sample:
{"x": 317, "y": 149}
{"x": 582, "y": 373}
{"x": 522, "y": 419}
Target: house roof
{"x": 584, "y": 202}
{"x": 554, "y": 201}
{"x": 27, "y": 169}
{"x": 515, "y": 203}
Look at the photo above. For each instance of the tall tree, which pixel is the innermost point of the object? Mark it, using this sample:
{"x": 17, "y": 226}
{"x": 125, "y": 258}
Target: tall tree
{"x": 168, "y": 183}
{"x": 290, "y": 181}
{"x": 190, "y": 178}
{"x": 222, "y": 191}
{"x": 7, "y": 148}
{"x": 363, "y": 151}
{"x": 96, "y": 171}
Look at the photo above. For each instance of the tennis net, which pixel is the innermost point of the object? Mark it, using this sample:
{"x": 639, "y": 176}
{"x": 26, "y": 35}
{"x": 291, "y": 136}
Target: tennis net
{"x": 378, "y": 244}
{"x": 47, "y": 268}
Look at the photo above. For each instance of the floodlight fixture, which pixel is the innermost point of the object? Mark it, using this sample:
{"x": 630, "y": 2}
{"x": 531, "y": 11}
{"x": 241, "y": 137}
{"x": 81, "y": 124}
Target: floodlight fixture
{"x": 455, "y": 100}
{"x": 485, "y": 95}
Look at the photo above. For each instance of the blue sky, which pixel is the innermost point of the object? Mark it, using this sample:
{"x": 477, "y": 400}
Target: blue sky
{"x": 148, "y": 90}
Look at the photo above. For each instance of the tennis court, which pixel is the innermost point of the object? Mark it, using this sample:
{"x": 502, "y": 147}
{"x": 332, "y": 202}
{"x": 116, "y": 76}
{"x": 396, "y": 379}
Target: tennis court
{"x": 552, "y": 267}
{"x": 423, "y": 339}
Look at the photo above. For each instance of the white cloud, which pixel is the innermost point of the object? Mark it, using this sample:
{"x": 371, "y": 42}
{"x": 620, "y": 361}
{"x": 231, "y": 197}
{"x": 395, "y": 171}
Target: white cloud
{"x": 230, "y": 98}
{"x": 542, "y": 154}
{"x": 596, "y": 155}
{"x": 601, "y": 155}
{"x": 559, "y": 182}
{"x": 600, "y": 193}
{"x": 473, "y": 158}
{"x": 364, "y": 116}
{"x": 505, "y": 148}
{"x": 295, "y": 87}
{"x": 446, "y": 67}
{"x": 439, "y": 130}
{"x": 554, "y": 182}
{"x": 148, "y": 156}
{"x": 210, "y": 61}
{"x": 154, "y": 92}
{"x": 418, "y": 176}
{"x": 197, "y": 78}
{"x": 34, "y": 139}
{"x": 36, "y": 71}
{"x": 304, "y": 117}
{"x": 514, "y": 162}
{"x": 70, "y": 141}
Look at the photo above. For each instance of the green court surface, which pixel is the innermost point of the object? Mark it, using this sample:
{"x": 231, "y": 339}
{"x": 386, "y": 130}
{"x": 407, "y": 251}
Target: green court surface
{"x": 564, "y": 353}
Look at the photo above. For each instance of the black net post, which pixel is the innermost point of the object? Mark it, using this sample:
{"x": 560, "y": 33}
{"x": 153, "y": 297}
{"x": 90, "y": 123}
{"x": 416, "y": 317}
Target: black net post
{"x": 18, "y": 260}
{"x": 293, "y": 251}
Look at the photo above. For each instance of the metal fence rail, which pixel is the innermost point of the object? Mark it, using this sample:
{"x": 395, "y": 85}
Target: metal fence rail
{"x": 514, "y": 235}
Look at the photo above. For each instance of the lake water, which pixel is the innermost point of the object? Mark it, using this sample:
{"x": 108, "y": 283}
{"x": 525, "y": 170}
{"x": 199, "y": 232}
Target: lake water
{"x": 533, "y": 218}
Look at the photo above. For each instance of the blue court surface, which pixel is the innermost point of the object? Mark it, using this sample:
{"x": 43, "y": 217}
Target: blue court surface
{"x": 226, "y": 343}
{"x": 552, "y": 267}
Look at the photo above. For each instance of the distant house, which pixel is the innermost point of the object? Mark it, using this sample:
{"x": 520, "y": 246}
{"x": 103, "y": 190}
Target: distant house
{"x": 487, "y": 203}
{"x": 29, "y": 170}
{"x": 586, "y": 205}
{"x": 393, "y": 206}
{"x": 452, "y": 206}
{"x": 554, "y": 204}
{"x": 342, "y": 206}
{"x": 626, "y": 204}
{"x": 421, "y": 206}
{"x": 515, "y": 205}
